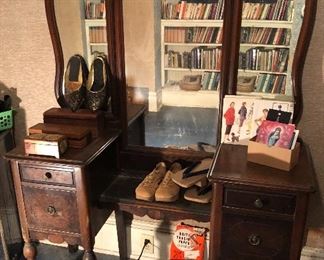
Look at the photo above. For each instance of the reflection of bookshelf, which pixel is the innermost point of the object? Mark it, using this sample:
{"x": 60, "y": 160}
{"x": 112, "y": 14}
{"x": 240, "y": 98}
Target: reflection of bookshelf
{"x": 267, "y": 45}
{"x": 191, "y": 46}
{"x": 95, "y": 29}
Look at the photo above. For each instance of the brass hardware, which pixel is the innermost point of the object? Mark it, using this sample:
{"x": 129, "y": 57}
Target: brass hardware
{"x": 254, "y": 240}
{"x": 48, "y": 175}
{"x": 258, "y": 203}
{"x": 51, "y": 210}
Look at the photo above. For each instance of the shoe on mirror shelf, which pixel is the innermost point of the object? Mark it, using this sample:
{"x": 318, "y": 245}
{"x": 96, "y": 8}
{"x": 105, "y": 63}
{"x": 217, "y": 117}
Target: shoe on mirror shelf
{"x": 147, "y": 188}
{"x": 193, "y": 174}
{"x": 74, "y": 87}
{"x": 200, "y": 195}
{"x": 97, "y": 95}
{"x": 168, "y": 191}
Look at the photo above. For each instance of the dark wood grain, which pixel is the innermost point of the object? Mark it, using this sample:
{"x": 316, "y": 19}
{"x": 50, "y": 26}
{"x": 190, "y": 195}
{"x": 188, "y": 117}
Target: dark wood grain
{"x": 72, "y": 156}
{"x": 261, "y": 211}
{"x": 232, "y": 167}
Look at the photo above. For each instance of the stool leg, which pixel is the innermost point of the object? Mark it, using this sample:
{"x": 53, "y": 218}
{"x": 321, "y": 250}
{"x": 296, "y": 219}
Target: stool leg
{"x": 121, "y": 234}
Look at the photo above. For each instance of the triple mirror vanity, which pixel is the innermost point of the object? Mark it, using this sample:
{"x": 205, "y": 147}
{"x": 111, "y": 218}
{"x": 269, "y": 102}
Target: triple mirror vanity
{"x": 151, "y": 47}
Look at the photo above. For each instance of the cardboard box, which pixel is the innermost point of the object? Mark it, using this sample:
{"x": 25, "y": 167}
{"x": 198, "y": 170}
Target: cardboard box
{"x": 276, "y": 157}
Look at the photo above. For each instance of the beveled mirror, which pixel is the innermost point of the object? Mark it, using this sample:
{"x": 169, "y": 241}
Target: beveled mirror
{"x": 153, "y": 49}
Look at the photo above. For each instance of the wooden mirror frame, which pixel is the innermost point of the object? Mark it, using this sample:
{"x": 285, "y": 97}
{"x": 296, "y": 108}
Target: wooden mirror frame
{"x": 229, "y": 66}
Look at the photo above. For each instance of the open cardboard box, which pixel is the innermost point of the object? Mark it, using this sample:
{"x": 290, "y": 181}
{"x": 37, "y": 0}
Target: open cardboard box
{"x": 276, "y": 157}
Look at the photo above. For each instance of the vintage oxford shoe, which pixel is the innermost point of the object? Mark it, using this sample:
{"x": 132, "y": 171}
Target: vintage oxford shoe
{"x": 97, "y": 91}
{"x": 75, "y": 78}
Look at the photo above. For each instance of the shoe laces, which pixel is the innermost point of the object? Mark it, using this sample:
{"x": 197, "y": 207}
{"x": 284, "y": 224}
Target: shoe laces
{"x": 166, "y": 179}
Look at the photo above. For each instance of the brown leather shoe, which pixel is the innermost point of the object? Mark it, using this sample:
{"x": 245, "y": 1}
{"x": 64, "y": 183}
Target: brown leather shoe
{"x": 168, "y": 191}
{"x": 146, "y": 189}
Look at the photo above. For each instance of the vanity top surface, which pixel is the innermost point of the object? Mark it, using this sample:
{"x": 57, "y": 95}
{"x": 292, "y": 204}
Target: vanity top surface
{"x": 231, "y": 166}
{"x": 82, "y": 156}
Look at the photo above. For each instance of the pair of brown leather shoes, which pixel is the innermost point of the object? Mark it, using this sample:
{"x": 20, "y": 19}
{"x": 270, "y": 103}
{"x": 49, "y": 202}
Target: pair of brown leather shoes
{"x": 158, "y": 184}
{"x": 84, "y": 89}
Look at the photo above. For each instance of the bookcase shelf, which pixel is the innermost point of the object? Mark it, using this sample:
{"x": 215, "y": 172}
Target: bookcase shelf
{"x": 191, "y": 70}
{"x": 183, "y": 37}
{"x": 95, "y": 35}
{"x": 269, "y": 41}
{"x": 194, "y": 44}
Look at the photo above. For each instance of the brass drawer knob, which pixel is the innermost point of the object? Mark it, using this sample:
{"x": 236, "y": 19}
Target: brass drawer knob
{"x": 48, "y": 175}
{"x": 254, "y": 240}
{"x": 51, "y": 210}
{"x": 258, "y": 203}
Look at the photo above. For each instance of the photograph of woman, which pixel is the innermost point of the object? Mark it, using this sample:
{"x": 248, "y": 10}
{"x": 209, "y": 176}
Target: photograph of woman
{"x": 274, "y": 137}
{"x": 229, "y": 120}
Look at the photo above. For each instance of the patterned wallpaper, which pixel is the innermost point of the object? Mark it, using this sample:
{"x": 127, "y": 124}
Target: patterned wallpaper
{"x": 27, "y": 65}
{"x": 26, "y": 61}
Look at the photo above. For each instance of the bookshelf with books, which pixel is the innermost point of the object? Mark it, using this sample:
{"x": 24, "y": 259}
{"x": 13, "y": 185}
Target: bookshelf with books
{"x": 191, "y": 40}
{"x": 269, "y": 31}
{"x": 95, "y": 32}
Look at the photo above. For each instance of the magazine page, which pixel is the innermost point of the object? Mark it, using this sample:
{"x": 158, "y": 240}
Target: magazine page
{"x": 261, "y": 109}
{"x": 237, "y": 119}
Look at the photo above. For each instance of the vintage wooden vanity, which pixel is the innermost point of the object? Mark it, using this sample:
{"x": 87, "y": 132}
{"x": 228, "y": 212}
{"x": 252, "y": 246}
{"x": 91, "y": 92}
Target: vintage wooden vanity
{"x": 257, "y": 212}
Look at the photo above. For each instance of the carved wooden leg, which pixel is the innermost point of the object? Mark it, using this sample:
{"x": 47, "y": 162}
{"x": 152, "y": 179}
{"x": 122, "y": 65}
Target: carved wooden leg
{"x": 73, "y": 248}
{"x": 121, "y": 234}
{"x": 29, "y": 251}
{"x": 89, "y": 255}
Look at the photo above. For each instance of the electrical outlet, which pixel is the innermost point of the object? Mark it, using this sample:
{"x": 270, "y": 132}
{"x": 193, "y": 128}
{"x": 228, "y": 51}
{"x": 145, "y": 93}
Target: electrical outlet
{"x": 149, "y": 249}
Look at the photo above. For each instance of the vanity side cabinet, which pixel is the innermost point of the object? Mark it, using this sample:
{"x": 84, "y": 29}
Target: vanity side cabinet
{"x": 258, "y": 212}
{"x": 57, "y": 199}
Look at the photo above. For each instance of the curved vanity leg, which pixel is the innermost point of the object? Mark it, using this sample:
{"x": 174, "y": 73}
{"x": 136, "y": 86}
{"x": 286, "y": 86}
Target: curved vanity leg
{"x": 29, "y": 251}
{"x": 73, "y": 248}
{"x": 89, "y": 255}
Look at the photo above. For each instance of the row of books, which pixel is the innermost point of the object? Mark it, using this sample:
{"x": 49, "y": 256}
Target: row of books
{"x": 192, "y": 11}
{"x": 210, "y": 81}
{"x": 275, "y": 36}
{"x": 98, "y": 34}
{"x": 268, "y": 10}
{"x": 95, "y": 10}
{"x": 270, "y": 83}
{"x": 197, "y": 58}
{"x": 274, "y": 60}
{"x": 193, "y": 34}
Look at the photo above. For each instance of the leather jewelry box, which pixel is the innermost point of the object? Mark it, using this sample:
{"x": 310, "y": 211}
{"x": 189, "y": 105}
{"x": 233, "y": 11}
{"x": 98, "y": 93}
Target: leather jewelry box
{"x": 94, "y": 120}
{"x": 77, "y": 136}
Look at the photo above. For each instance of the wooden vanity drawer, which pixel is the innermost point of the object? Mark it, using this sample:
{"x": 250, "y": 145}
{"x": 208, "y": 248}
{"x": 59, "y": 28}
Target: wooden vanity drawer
{"x": 51, "y": 209}
{"x": 44, "y": 174}
{"x": 272, "y": 202}
{"x": 250, "y": 238}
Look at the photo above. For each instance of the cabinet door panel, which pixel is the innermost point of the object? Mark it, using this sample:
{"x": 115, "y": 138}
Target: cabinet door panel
{"x": 51, "y": 209}
{"x": 254, "y": 238}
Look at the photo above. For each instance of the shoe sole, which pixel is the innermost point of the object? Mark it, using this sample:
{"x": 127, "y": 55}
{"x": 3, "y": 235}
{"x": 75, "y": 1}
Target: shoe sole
{"x": 138, "y": 197}
{"x": 167, "y": 199}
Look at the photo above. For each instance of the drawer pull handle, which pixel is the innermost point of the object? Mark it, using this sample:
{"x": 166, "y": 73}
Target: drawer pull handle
{"x": 48, "y": 175}
{"x": 51, "y": 210}
{"x": 258, "y": 203}
{"x": 254, "y": 240}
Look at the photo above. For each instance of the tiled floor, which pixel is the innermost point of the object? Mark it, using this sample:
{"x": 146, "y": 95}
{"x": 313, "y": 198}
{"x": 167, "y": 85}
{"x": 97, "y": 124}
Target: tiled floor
{"x": 180, "y": 126}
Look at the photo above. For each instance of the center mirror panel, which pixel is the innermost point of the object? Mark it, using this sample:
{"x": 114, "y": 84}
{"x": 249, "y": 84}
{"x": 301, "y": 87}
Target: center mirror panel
{"x": 173, "y": 60}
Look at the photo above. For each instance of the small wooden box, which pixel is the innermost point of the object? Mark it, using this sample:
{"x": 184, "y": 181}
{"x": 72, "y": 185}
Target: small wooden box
{"x": 93, "y": 120}
{"x": 276, "y": 157}
{"x": 77, "y": 136}
{"x": 45, "y": 144}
